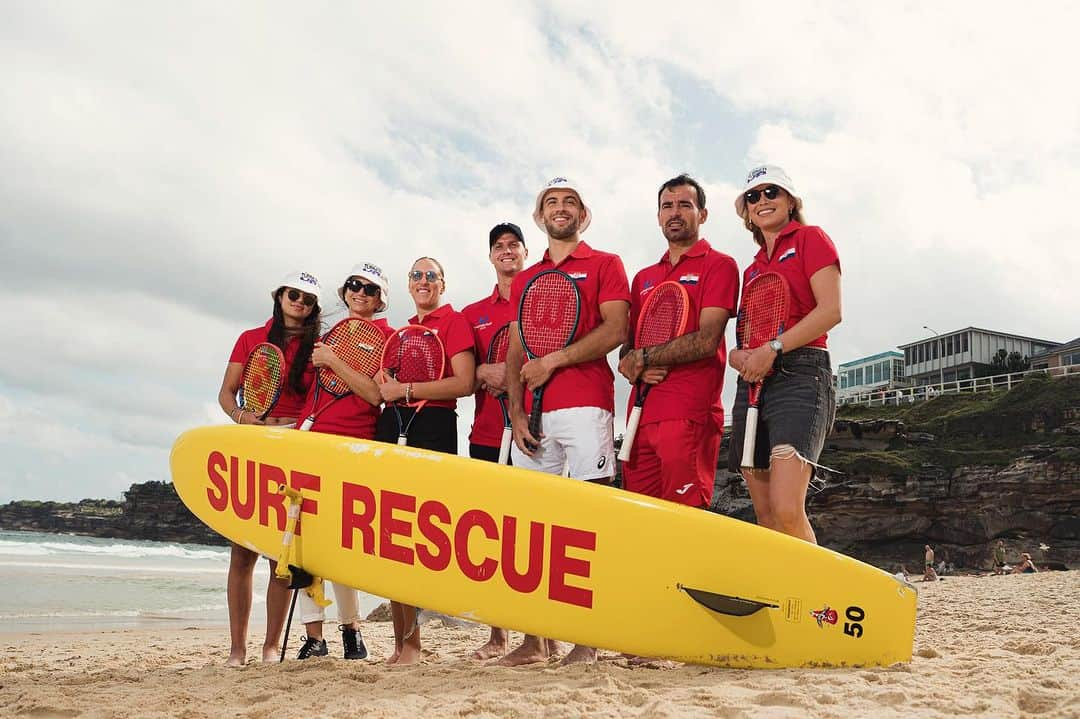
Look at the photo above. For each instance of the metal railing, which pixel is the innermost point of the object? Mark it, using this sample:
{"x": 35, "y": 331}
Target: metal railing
{"x": 904, "y": 395}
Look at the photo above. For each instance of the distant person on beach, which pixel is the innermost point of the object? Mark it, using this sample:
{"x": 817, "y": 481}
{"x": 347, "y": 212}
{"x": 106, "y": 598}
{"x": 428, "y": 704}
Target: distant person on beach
{"x": 435, "y": 427}
{"x": 579, "y": 398}
{"x": 365, "y": 292}
{"x": 678, "y": 440}
{"x": 798, "y": 401}
{"x": 294, "y": 328}
{"x": 929, "y": 575}
{"x": 507, "y": 254}
{"x": 999, "y": 557}
{"x": 1026, "y": 566}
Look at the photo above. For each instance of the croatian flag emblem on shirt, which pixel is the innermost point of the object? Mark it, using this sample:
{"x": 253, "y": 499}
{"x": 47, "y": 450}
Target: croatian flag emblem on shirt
{"x": 789, "y": 253}
{"x": 578, "y": 275}
{"x": 689, "y": 279}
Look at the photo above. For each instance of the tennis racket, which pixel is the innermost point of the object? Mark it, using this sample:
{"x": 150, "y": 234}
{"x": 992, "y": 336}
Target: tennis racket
{"x": 548, "y": 318}
{"x": 762, "y": 317}
{"x": 413, "y": 354}
{"x": 662, "y": 319}
{"x": 359, "y": 344}
{"x": 262, "y": 380}
{"x": 500, "y": 343}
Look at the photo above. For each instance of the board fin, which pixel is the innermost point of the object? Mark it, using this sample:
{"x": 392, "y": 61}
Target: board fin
{"x": 725, "y": 603}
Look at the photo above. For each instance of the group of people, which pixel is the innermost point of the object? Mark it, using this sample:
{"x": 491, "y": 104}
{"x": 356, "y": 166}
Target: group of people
{"x": 678, "y": 442}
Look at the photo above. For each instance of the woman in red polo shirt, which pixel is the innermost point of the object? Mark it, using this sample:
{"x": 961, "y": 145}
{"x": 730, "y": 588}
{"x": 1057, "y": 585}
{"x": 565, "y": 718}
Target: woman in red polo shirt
{"x": 294, "y": 327}
{"x": 365, "y": 292}
{"x": 435, "y": 427}
{"x": 798, "y": 401}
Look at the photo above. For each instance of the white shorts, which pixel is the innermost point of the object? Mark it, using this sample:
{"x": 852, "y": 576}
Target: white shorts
{"x": 578, "y": 442}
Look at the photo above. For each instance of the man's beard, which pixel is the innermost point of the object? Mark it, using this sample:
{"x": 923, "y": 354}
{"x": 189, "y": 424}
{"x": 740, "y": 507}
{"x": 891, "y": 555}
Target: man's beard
{"x": 678, "y": 235}
{"x": 562, "y": 233}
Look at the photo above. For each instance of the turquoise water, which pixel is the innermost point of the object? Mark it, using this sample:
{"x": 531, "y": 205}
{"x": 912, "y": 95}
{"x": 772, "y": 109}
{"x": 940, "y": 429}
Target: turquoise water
{"x": 59, "y": 582}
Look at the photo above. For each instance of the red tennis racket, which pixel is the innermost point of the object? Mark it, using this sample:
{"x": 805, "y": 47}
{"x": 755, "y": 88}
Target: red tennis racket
{"x": 762, "y": 318}
{"x": 359, "y": 344}
{"x": 413, "y": 354}
{"x": 548, "y": 318}
{"x": 663, "y": 318}
{"x": 496, "y": 353}
{"x": 262, "y": 380}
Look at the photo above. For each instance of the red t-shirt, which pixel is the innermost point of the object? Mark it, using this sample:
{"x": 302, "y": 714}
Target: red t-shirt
{"x": 289, "y": 403}
{"x": 692, "y": 390}
{"x": 350, "y": 416}
{"x": 456, "y": 335}
{"x": 600, "y": 278}
{"x": 486, "y": 316}
{"x": 800, "y": 251}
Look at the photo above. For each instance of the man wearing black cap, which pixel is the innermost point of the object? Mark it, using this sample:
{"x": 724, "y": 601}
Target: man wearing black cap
{"x": 507, "y": 253}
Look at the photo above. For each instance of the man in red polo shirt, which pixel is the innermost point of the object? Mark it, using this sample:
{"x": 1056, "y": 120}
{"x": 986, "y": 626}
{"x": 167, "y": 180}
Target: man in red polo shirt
{"x": 507, "y": 253}
{"x": 579, "y": 394}
{"x": 678, "y": 441}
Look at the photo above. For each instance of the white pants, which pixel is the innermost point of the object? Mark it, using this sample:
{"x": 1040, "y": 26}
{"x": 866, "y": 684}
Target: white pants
{"x": 348, "y": 605}
{"x": 578, "y": 442}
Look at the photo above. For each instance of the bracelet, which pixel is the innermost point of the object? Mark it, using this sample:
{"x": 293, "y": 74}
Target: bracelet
{"x": 644, "y": 357}
{"x": 408, "y": 393}
{"x": 239, "y": 412}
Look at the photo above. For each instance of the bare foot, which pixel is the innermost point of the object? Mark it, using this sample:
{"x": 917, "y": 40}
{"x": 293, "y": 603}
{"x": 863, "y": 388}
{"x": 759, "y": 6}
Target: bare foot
{"x": 236, "y": 659}
{"x": 531, "y": 651}
{"x": 409, "y": 655}
{"x": 392, "y": 659}
{"x": 271, "y": 655}
{"x": 490, "y": 650}
{"x": 580, "y": 655}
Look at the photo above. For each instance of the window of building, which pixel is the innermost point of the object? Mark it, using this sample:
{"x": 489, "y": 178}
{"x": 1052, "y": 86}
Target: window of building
{"x": 919, "y": 352}
{"x": 964, "y": 341}
{"x": 934, "y": 350}
{"x": 859, "y": 376}
{"x": 1071, "y": 358}
{"x": 907, "y": 355}
{"x": 949, "y": 347}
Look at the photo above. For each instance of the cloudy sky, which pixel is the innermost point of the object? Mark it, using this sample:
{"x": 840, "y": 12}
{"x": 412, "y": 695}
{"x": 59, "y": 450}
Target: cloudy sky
{"x": 164, "y": 164}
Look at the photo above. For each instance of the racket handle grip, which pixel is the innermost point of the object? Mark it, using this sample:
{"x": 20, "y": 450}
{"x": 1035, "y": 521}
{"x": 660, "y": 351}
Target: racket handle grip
{"x": 306, "y": 425}
{"x": 749, "y": 438}
{"x": 535, "y": 426}
{"x": 631, "y": 432}
{"x": 402, "y": 439}
{"x": 504, "y": 446}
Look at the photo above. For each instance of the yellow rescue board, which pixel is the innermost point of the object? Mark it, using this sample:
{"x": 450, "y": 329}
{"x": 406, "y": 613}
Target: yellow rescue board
{"x": 545, "y": 555}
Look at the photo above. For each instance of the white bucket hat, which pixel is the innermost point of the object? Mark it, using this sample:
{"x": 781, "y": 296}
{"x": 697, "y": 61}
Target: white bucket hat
{"x": 766, "y": 175}
{"x": 561, "y": 183}
{"x": 374, "y": 274}
{"x": 303, "y": 281}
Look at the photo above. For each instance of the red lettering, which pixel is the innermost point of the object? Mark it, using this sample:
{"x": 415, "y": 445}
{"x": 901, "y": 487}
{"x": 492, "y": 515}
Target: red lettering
{"x": 270, "y": 477}
{"x": 425, "y": 521}
{"x": 215, "y": 465}
{"x": 534, "y": 572}
{"x": 474, "y": 518}
{"x": 388, "y": 526}
{"x": 351, "y": 521}
{"x": 562, "y": 565}
{"x": 301, "y": 481}
{"x": 245, "y": 509}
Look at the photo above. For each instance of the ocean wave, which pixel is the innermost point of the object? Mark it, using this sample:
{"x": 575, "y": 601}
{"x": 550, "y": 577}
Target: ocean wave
{"x": 115, "y": 549}
{"x": 158, "y": 613}
{"x": 113, "y": 567}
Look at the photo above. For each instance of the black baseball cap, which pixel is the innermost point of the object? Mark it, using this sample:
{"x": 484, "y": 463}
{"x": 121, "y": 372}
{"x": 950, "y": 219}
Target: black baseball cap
{"x": 501, "y": 229}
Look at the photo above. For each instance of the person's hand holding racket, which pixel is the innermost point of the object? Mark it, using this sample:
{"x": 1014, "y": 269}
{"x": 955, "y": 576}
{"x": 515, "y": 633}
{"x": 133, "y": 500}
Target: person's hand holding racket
{"x": 261, "y": 383}
{"x": 663, "y": 318}
{"x": 762, "y": 318}
{"x": 353, "y": 343}
{"x": 547, "y": 320}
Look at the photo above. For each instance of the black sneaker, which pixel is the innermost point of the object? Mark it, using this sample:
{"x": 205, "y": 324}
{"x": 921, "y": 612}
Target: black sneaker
{"x": 313, "y": 648}
{"x": 353, "y": 642}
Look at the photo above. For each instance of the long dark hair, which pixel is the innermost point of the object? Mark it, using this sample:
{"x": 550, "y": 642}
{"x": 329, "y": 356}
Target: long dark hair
{"x": 309, "y": 332}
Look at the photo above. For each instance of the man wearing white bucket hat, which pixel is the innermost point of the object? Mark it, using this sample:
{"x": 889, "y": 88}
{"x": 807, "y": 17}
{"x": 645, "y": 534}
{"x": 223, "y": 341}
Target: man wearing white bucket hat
{"x": 579, "y": 387}
{"x": 798, "y": 402}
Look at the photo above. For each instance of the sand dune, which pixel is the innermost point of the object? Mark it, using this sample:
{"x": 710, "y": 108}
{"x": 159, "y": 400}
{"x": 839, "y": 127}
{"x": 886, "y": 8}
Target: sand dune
{"x": 986, "y": 646}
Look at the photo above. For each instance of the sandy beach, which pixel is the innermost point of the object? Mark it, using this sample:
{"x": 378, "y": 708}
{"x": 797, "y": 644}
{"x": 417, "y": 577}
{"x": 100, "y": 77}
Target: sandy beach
{"x": 988, "y": 646}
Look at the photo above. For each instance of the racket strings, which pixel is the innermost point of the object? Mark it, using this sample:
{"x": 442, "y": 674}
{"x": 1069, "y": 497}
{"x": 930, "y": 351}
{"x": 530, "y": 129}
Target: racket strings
{"x": 418, "y": 358}
{"x": 359, "y": 344}
{"x": 262, "y": 378}
{"x": 500, "y": 345}
{"x": 663, "y": 318}
{"x": 549, "y": 313}
{"x": 764, "y": 311}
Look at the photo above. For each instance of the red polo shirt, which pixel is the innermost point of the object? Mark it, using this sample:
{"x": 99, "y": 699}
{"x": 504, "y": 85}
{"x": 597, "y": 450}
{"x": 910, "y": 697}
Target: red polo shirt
{"x": 486, "y": 316}
{"x": 350, "y": 416}
{"x": 289, "y": 403}
{"x": 692, "y": 390}
{"x": 456, "y": 335}
{"x": 800, "y": 251}
{"x": 600, "y": 278}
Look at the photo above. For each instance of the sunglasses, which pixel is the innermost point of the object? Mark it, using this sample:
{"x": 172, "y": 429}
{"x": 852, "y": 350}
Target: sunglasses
{"x": 294, "y": 295}
{"x": 431, "y": 275}
{"x": 771, "y": 192}
{"x": 354, "y": 285}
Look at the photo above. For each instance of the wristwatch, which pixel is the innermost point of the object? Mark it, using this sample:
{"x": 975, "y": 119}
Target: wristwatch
{"x": 777, "y": 346}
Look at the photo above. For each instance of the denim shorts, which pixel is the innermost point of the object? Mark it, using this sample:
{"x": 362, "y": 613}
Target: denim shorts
{"x": 797, "y": 407}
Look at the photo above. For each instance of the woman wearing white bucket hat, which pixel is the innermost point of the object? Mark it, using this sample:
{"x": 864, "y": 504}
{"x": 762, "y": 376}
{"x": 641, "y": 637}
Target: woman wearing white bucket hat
{"x": 293, "y": 328}
{"x": 365, "y": 292}
{"x": 798, "y": 399}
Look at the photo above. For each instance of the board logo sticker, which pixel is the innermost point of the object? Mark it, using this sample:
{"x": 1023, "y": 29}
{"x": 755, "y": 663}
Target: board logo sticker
{"x": 824, "y": 615}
